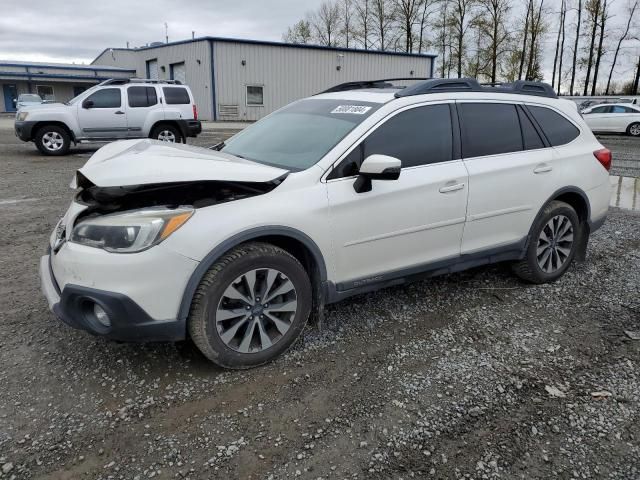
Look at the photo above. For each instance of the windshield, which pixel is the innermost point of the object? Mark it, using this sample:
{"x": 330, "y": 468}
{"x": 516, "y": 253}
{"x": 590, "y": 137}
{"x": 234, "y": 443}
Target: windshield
{"x": 29, "y": 97}
{"x": 299, "y": 135}
{"x": 81, "y": 94}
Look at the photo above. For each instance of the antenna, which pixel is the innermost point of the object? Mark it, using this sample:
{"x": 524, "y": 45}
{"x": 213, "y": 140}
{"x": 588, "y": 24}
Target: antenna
{"x": 193, "y": 34}
{"x": 166, "y": 32}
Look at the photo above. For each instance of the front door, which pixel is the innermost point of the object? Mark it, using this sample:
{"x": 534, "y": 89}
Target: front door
{"x": 103, "y": 115}
{"x": 400, "y": 226}
{"x": 10, "y": 97}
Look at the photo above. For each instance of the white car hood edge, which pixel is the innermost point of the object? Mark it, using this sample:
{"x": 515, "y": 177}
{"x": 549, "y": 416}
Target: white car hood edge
{"x": 141, "y": 162}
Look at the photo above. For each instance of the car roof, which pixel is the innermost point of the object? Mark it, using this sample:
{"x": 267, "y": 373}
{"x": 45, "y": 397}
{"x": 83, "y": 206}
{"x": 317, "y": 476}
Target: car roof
{"x": 622, "y": 104}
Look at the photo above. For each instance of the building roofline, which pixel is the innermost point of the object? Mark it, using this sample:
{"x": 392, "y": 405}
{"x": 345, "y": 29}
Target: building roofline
{"x": 66, "y": 67}
{"x": 38, "y": 76}
{"x": 271, "y": 44}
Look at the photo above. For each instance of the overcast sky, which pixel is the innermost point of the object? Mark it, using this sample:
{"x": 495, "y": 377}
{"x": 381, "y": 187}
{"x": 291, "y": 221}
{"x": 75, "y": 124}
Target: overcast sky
{"x": 78, "y": 30}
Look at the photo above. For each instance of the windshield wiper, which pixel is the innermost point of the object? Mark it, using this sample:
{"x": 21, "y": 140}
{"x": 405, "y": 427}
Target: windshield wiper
{"x": 218, "y": 146}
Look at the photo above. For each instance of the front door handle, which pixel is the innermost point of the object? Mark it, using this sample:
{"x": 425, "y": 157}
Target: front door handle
{"x": 119, "y": 112}
{"x": 542, "y": 168}
{"x": 451, "y": 188}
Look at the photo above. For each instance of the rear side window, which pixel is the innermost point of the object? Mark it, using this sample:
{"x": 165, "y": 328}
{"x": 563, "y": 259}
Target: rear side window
{"x": 418, "y": 136}
{"x": 530, "y": 137}
{"x": 106, "y": 98}
{"x": 489, "y": 129}
{"x": 142, "y": 96}
{"x": 556, "y": 128}
{"x": 176, "y": 95}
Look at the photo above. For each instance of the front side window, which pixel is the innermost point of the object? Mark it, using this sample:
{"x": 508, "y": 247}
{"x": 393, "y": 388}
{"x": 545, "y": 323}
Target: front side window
{"x": 489, "y": 129}
{"x": 105, "y": 98}
{"x": 176, "y": 95}
{"x": 255, "y": 95}
{"x": 418, "y": 136}
{"x": 142, "y": 96}
{"x": 300, "y": 134}
{"x": 557, "y": 129}
{"x": 602, "y": 109}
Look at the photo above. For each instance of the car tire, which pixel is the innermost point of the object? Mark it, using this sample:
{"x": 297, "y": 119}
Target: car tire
{"x": 250, "y": 306}
{"x": 553, "y": 242}
{"x": 53, "y": 140}
{"x": 634, "y": 129}
{"x": 166, "y": 133}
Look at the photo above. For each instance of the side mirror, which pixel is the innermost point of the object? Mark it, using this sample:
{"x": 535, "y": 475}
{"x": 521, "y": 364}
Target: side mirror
{"x": 376, "y": 167}
{"x": 87, "y": 104}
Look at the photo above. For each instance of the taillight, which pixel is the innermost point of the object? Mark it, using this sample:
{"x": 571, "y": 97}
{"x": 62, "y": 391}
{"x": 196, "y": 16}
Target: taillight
{"x": 604, "y": 157}
{"x": 195, "y": 112}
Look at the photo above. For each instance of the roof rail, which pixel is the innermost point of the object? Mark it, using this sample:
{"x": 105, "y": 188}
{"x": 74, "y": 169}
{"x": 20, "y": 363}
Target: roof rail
{"x": 441, "y": 85}
{"x": 123, "y": 81}
{"x": 360, "y": 84}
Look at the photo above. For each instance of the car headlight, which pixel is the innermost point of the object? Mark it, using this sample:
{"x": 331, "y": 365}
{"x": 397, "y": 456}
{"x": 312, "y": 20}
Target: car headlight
{"x": 22, "y": 116}
{"x": 132, "y": 231}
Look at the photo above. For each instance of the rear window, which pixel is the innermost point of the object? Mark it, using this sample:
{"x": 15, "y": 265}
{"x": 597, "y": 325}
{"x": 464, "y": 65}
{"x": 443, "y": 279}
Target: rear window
{"x": 489, "y": 129}
{"x": 557, "y": 129}
{"x": 176, "y": 95}
{"x": 142, "y": 96}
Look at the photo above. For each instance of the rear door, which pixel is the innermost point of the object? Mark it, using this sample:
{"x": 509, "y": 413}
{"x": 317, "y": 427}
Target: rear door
{"x": 511, "y": 173}
{"x": 103, "y": 114}
{"x": 141, "y": 102}
{"x": 400, "y": 225}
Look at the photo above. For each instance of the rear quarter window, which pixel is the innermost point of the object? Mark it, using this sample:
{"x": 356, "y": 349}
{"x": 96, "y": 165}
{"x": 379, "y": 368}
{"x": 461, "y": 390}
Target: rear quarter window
{"x": 176, "y": 95}
{"x": 557, "y": 129}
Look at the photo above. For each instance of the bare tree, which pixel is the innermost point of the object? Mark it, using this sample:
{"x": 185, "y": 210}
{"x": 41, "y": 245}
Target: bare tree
{"x": 537, "y": 28}
{"x": 406, "y": 12}
{"x": 562, "y": 22}
{"x": 555, "y": 57}
{"x": 527, "y": 19}
{"x": 492, "y": 25}
{"x": 631, "y": 12}
{"x": 574, "y": 63}
{"x": 346, "y": 8}
{"x": 424, "y": 17}
{"x": 382, "y": 20}
{"x": 325, "y": 23}
{"x": 593, "y": 11}
{"x": 362, "y": 13}
{"x": 636, "y": 80}
{"x": 299, "y": 33}
{"x": 460, "y": 20}
{"x": 604, "y": 16}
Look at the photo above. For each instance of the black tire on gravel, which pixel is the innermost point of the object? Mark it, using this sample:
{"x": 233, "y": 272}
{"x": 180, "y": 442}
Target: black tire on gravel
{"x": 158, "y": 130}
{"x": 634, "y": 129}
{"x": 202, "y": 324}
{"x": 529, "y": 269}
{"x": 52, "y": 140}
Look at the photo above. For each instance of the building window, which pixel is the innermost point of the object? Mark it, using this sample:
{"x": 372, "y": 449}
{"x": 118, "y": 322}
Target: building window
{"x": 45, "y": 92}
{"x": 255, "y": 95}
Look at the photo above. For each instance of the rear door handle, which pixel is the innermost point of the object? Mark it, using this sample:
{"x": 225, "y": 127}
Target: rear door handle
{"x": 542, "y": 168}
{"x": 451, "y": 188}
{"x": 119, "y": 112}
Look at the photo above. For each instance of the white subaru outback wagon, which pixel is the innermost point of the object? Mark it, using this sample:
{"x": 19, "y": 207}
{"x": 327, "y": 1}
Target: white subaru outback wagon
{"x": 363, "y": 186}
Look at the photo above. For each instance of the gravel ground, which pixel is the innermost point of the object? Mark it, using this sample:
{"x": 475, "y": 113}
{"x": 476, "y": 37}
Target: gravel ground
{"x": 473, "y": 375}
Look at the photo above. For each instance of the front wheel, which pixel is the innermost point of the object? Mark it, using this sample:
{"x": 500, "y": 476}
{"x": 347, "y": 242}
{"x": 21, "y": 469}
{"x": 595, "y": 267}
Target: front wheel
{"x": 250, "y": 306}
{"x": 166, "y": 133}
{"x": 634, "y": 129}
{"x": 52, "y": 140}
{"x": 552, "y": 246}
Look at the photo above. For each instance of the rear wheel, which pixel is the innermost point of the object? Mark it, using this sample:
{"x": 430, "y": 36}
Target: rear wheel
{"x": 166, "y": 133}
{"x": 552, "y": 246}
{"x": 250, "y": 306}
{"x": 52, "y": 140}
{"x": 634, "y": 129}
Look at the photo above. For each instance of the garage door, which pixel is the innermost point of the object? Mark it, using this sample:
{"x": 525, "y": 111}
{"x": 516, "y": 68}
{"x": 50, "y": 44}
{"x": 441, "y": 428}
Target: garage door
{"x": 179, "y": 72}
{"x": 152, "y": 69}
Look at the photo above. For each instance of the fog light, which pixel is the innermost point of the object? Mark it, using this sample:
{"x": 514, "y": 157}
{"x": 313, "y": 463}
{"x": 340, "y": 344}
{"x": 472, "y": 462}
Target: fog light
{"x": 101, "y": 315}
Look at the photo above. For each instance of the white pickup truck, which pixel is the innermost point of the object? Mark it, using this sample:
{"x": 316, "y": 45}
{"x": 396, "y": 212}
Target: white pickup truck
{"x": 115, "y": 109}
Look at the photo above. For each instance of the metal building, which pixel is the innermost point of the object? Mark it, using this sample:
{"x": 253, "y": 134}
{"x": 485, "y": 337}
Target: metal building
{"x": 52, "y": 81}
{"x": 234, "y": 79}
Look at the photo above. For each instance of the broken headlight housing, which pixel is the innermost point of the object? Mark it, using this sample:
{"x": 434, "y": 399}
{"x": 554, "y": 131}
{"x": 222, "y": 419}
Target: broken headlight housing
{"x": 132, "y": 231}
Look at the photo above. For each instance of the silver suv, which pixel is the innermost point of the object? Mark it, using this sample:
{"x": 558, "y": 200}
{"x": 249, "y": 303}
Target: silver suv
{"x": 115, "y": 109}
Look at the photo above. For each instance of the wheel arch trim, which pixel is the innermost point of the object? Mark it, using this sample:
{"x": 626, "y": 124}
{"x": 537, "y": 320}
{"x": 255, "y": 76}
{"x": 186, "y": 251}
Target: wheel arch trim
{"x": 231, "y": 242}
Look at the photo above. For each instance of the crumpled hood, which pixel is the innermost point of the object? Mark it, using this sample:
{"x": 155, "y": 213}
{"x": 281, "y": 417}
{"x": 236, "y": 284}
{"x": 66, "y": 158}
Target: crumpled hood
{"x": 140, "y": 162}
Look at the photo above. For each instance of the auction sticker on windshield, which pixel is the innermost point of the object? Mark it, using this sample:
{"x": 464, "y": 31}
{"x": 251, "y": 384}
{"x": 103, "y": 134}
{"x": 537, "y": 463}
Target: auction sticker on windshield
{"x": 355, "y": 109}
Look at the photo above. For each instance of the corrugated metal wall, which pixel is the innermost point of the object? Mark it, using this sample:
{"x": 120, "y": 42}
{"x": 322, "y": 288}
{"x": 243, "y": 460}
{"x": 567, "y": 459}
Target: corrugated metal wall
{"x": 288, "y": 73}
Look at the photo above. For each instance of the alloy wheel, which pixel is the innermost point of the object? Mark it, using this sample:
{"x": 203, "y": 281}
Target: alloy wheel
{"x": 256, "y": 310}
{"x": 167, "y": 136}
{"x": 554, "y": 244}
{"x": 52, "y": 141}
{"x": 635, "y": 129}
